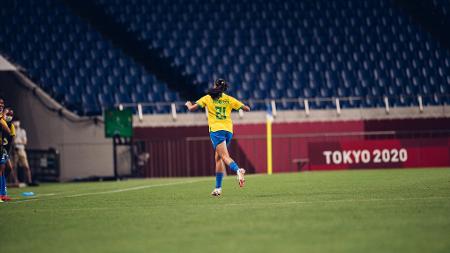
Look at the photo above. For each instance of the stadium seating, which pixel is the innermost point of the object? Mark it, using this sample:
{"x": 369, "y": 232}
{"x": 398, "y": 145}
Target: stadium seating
{"x": 266, "y": 49}
{"x": 272, "y": 49}
{"x": 73, "y": 62}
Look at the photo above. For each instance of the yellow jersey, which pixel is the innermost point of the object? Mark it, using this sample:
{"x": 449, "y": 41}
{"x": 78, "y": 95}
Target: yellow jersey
{"x": 219, "y": 111}
{"x": 6, "y": 139}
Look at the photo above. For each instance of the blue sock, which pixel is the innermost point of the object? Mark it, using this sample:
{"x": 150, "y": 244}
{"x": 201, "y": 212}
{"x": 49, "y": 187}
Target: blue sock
{"x": 3, "y": 185}
{"x": 5, "y": 189}
{"x": 219, "y": 177}
{"x": 234, "y": 167}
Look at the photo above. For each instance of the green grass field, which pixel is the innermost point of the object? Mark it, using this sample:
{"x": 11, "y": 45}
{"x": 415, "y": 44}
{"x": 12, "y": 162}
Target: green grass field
{"x": 350, "y": 211}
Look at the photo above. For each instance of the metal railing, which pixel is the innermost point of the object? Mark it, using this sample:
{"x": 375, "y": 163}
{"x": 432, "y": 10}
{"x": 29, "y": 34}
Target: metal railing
{"x": 308, "y": 104}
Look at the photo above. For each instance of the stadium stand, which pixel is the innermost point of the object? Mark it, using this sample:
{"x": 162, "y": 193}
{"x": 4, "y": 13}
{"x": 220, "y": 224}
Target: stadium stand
{"x": 296, "y": 48}
{"x": 73, "y": 62}
{"x": 359, "y": 51}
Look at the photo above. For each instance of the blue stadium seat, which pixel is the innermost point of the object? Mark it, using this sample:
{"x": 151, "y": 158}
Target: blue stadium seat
{"x": 90, "y": 105}
{"x": 66, "y": 56}
{"x": 324, "y": 48}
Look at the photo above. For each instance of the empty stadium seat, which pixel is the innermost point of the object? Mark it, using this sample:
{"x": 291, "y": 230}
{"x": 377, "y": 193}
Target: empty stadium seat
{"x": 62, "y": 53}
{"x": 267, "y": 50}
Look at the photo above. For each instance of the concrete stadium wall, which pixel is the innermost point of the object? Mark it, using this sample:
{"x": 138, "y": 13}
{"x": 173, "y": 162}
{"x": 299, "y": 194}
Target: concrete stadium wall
{"x": 84, "y": 151}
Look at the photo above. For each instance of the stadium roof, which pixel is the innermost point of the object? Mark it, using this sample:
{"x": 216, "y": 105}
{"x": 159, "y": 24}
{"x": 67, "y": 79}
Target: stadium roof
{"x": 5, "y": 65}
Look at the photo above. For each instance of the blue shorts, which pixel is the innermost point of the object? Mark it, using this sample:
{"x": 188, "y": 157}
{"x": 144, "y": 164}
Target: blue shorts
{"x": 219, "y": 137}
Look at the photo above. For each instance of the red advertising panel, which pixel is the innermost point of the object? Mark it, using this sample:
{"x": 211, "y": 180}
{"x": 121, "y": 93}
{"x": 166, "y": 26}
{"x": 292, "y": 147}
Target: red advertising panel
{"x": 396, "y": 153}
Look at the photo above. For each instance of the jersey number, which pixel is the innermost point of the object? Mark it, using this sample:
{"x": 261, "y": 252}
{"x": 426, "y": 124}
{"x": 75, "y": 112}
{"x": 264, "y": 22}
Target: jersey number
{"x": 220, "y": 113}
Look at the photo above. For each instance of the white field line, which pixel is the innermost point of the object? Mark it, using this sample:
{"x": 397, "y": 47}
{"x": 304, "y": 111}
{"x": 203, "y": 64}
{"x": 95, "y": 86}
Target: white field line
{"x": 337, "y": 201}
{"x": 34, "y": 198}
{"x": 47, "y": 194}
{"x": 135, "y": 188}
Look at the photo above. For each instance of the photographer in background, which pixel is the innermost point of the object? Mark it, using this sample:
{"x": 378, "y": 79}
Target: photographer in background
{"x": 20, "y": 158}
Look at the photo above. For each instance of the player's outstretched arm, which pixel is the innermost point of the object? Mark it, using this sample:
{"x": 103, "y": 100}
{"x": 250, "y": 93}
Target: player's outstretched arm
{"x": 246, "y": 108}
{"x": 191, "y": 107}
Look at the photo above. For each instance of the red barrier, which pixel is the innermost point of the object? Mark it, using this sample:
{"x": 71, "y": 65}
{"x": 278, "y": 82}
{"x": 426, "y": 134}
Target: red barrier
{"x": 187, "y": 151}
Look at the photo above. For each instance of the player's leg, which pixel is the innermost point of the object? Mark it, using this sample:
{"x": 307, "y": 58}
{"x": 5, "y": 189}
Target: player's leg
{"x": 220, "y": 166}
{"x": 216, "y": 138}
{"x": 5, "y": 162}
{"x": 222, "y": 150}
{"x": 2, "y": 181}
{"x": 4, "y": 189}
{"x": 220, "y": 169}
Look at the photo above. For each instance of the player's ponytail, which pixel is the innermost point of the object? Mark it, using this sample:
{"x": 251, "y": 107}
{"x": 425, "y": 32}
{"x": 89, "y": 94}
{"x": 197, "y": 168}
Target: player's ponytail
{"x": 215, "y": 92}
{"x": 220, "y": 86}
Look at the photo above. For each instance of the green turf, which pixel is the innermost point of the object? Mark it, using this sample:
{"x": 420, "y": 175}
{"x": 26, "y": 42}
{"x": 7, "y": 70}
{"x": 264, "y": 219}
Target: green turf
{"x": 351, "y": 211}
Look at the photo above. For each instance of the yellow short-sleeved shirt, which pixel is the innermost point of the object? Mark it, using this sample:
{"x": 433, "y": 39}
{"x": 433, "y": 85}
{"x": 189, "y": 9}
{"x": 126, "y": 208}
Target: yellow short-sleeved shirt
{"x": 5, "y": 139}
{"x": 219, "y": 111}
{"x": 13, "y": 130}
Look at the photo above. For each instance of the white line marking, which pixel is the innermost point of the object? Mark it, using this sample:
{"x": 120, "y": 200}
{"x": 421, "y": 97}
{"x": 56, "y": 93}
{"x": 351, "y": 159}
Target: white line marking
{"x": 135, "y": 188}
{"x": 337, "y": 201}
{"x": 46, "y": 194}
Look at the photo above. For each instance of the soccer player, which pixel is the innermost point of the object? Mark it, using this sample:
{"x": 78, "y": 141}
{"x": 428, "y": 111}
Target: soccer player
{"x": 219, "y": 106}
{"x": 7, "y": 132}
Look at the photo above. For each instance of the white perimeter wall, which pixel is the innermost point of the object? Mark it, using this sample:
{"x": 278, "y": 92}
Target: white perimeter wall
{"x": 83, "y": 149}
